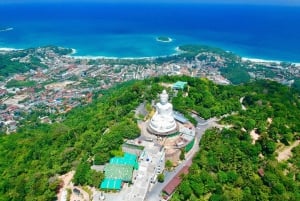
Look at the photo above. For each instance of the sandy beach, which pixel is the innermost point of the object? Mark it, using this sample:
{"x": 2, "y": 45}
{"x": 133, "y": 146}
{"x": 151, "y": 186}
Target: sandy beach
{"x": 106, "y": 57}
{"x": 297, "y": 64}
{"x": 6, "y": 49}
{"x": 178, "y": 51}
{"x": 74, "y": 51}
{"x": 260, "y": 60}
{"x": 256, "y": 60}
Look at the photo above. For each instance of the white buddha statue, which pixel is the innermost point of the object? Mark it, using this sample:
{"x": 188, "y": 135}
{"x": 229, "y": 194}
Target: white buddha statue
{"x": 163, "y": 120}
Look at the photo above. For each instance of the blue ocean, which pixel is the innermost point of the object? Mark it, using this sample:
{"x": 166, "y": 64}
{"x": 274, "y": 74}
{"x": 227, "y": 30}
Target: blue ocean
{"x": 130, "y": 30}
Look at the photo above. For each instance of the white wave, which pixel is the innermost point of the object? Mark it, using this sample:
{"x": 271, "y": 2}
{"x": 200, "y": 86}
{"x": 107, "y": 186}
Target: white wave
{"x": 7, "y": 29}
{"x": 8, "y": 49}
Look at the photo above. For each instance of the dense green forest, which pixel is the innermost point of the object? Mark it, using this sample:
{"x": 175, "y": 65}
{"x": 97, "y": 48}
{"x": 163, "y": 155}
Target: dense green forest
{"x": 230, "y": 167}
{"x": 9, "y": 66}
{"x": 15, "y": 83}
{"x": 32, "y": 158}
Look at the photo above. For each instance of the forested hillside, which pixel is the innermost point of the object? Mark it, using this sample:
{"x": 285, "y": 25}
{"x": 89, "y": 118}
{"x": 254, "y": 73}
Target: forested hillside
{"x": 227, "y": 165}
{"x": 233, "y": 166}
{"x": 21, "y": 61}
{"x": 31, "y": 159}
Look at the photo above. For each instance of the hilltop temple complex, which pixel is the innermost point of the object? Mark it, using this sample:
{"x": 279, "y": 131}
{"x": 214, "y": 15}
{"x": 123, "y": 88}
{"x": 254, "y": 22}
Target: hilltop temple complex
{"x": 170, "y": 129}
{"x": 166, "y": 136}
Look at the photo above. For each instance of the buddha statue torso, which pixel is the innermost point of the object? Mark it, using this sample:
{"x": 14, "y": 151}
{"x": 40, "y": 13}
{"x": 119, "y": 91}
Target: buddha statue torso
{"x": 163, "y": 120}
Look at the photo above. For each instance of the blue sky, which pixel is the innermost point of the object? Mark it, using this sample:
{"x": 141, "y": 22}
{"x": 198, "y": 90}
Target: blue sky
{"x": 260, "y": 2}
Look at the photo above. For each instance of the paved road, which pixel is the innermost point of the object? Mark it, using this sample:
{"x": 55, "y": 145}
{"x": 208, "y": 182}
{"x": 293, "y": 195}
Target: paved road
{"x": 154, "y": 193}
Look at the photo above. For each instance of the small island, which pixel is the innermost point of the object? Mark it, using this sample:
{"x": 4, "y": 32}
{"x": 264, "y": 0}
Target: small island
{"x": 164, "y": 39}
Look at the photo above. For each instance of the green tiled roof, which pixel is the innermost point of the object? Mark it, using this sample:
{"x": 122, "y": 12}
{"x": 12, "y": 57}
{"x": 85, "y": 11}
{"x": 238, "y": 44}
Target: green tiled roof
{"x": 179, "y": 85}
{"x": 111, "y": 184}
{"x": 127, "y": 159}
{"x": 115, "y": 171}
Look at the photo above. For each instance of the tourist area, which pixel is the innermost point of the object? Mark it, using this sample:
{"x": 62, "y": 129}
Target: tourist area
{"x": 166, "y": 136}
{"x": 151, "y": 166}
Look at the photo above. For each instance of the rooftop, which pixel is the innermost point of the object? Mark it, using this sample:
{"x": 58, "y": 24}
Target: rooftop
{"x": 179, "y": 117}
{"x": 172, "y": 185}
{"x": 179, "y": 85}
{"x": 119, "y": 170}
{"x": 112, "y": 184}
{"x": 127, "y": 159}
{"x": 122, "y": 172}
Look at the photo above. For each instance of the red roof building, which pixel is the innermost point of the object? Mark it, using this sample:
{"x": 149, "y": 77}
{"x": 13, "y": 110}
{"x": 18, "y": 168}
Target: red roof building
{"x": 172, "y": 185}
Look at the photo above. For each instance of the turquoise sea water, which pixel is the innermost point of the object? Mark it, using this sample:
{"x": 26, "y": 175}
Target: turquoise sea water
{"x": 130, "y": 30}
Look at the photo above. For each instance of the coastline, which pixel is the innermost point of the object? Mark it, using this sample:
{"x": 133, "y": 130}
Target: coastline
{"x": 257, "y": 60}
{"x": 8, "y": 49}
{"x": 74, "y": 51}
{"x": 108, "y": 57}
{"x": 177, "y": 51}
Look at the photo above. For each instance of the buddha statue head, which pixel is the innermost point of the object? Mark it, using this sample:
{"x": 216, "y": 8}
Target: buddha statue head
{"x": 164, "y": 97}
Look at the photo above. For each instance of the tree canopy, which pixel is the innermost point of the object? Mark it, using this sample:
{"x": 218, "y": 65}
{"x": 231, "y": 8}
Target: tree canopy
{"x": 230, "y": 167}
{"x": 226, "y": 168}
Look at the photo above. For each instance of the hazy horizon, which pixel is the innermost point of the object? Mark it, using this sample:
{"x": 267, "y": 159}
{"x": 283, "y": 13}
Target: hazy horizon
{"x": 246, "y": 2}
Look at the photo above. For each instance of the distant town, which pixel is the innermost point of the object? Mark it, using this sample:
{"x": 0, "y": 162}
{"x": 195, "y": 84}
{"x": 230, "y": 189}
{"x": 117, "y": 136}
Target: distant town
{"x": 60, "y": 82}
